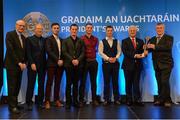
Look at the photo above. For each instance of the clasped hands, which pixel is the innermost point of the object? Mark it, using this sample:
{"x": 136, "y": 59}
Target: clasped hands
{"x": 112, "y": 59}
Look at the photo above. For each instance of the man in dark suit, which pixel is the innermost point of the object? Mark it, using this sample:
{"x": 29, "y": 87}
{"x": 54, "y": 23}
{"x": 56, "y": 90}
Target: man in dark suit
{"x": 110, "y": 51}
{"x": 73, "y": 51}
{"x": 161, "y": 47}
{"x": 54, "y": 65}
{"x": 36, "y": 66}
{"x": 133, "y": 51}
{"x": 15, "y": 63}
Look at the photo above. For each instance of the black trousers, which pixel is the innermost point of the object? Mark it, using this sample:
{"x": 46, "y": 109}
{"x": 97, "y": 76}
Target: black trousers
{"x": 132, "y": 78}
{"x": 162, "y": 77}
{"x": 73, "y": 75}
{"x": 90, "y": 67}
{"x": 111, "y": 71}
{"x": 31, "y": 83}
{"x": 14, "y": 77}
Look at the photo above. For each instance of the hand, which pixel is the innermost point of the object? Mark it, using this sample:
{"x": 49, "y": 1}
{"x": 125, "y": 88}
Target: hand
{"x": 139, "y": 56}
{"x": 145, "y": 46}
{"x": 145, "y": 53}
{"x": 75, "y": 62}
{"x": 112, "y": 59}
{"x": 147, "y": 38}
{"x": 60, "y": 62}
{"x": 22, "y": 66}
{"x": 152, "y": 46}
{"x": 33, "y": 67}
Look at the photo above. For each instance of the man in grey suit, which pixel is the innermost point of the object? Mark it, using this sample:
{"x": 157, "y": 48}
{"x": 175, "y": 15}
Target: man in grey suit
{"x": 161, "y": 48}
{"x": 73, "y": 51}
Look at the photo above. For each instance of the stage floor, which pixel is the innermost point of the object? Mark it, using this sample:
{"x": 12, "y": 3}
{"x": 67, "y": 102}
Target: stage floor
{"x": 149, "y": 111}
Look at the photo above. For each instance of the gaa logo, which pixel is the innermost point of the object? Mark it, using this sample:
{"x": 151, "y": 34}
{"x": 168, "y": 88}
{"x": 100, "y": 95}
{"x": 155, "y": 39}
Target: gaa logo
{"x": 34, "y": 18}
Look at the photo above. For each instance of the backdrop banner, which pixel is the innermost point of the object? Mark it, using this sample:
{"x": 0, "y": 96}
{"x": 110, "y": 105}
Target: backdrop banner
{"x": 118, "y": 13}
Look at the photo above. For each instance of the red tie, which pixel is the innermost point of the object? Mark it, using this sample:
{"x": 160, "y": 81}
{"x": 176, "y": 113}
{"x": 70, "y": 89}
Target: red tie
{"x": 134, "y": 43}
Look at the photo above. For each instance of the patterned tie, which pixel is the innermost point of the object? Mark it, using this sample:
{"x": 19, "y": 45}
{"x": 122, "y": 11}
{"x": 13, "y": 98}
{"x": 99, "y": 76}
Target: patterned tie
{"x": 134, "y": 43}
{"x": 20, "y": 39}
{"x": 158, "y": 39}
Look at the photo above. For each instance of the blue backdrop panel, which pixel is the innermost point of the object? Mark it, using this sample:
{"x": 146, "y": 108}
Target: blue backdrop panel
{"x": 120, "y": 14}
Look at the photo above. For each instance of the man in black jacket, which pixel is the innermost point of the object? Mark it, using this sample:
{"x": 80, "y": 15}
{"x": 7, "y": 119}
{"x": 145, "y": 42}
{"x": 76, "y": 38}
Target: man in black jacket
{"x": 54, "y": 65}
{"x": 73, "y": 51}
{"x": 15, "y": 63}
{"x": 161, "y": 48}
{"x": 36, "y": 66}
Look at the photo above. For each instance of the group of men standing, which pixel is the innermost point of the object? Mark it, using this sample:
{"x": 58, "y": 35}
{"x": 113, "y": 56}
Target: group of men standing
{"x": 77, "y": 56}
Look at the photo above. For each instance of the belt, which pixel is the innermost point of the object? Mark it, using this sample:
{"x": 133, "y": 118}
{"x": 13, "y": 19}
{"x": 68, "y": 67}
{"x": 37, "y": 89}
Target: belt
{"x": 90, "y": 59}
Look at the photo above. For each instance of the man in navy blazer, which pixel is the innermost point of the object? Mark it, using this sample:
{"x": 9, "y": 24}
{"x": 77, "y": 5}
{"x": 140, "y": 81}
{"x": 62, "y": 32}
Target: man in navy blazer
{"x": 161, "y": 48}
{"x": 36, "y": 66}
{"x": 15, "y": 63}
{"x": 133, "y": 51}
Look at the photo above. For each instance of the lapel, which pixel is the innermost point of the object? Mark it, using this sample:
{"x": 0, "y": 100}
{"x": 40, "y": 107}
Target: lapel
{"x": 77, "y": 43}
{"x": 131, "y": 44}
{"x": 18, "y": 41}
{"x": 55, "y": 44}
{"x": 161, "y": 40}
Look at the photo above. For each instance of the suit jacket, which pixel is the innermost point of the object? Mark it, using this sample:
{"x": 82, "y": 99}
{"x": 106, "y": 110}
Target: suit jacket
{"x": 36, "y": 52}
{"x": 14, "y": 52}
{"x": 53, "y": 51}
{"x": 162, "y": 55}
{"x": 73, "y": 51}
{"x": 129, "y": 62}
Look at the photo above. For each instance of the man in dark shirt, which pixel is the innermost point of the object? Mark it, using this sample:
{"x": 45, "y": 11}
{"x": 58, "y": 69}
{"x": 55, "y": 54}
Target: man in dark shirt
{"x": 73, "y": 52}
{"x": 36, "y": 66}
{"x": 90, "y": 65}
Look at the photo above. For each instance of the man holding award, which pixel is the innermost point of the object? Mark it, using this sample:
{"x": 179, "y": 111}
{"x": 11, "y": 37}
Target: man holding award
{"x": 133, "y": 51}
{"x": 161, "y": 48}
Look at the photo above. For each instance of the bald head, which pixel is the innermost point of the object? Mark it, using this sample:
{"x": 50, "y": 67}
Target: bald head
{"x": 38, "y": 30}
{"x": 20, "y": 26}
{"x": 132, "y": 31}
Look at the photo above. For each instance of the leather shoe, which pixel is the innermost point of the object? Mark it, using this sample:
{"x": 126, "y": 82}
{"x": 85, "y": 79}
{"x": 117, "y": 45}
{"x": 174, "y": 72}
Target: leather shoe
{"x": 76, "y": 104}
{"x": 139, "y": 103}
{"x": 129, "y": 103}
{"x": 81, "y": 104}
{"x": 117, "y": 102}
{"x": 157, "y": 103}
{"x": 67, "y": 106}
{"x": 95, "y": 103}
{"x": 20, "y": 107}
{"x": 14, "y": 110}
{"x": 167, "y": 104}
{"x": 41, "y": 106}
{"x": 29, "y": 107}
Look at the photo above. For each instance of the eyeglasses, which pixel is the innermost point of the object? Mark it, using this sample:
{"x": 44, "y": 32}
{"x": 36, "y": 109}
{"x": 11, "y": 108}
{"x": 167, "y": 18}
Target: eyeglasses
{"x": 21, "y": 25}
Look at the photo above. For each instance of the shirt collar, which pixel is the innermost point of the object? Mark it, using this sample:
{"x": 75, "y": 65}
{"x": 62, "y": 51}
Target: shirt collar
{"x": 18, "y": 33}
{"x": 132, "y": 38}
{"x": 88, "y": 37}
{"x": 107, "y": 38}
{"x": 160, "y": 36}
{"x": 55, "y": 36}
